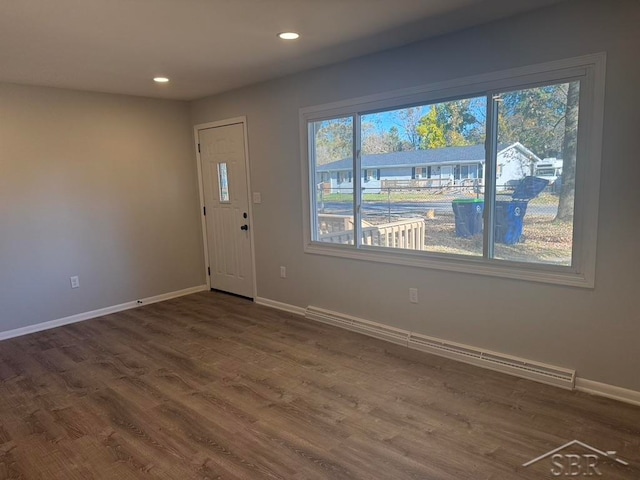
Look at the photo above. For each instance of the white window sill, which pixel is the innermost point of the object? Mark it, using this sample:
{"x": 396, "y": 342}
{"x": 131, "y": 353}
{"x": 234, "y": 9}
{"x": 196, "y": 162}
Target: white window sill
{"x": 552, "y": 274}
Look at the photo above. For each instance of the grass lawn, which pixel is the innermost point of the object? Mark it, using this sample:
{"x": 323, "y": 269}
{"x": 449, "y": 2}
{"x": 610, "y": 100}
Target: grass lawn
{"x": 544, "y": 241}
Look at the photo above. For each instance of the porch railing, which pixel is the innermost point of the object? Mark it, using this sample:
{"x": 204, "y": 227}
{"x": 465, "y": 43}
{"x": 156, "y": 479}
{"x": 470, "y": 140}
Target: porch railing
{"x": 407, "y": 234}
{"x": 330, "y": 223}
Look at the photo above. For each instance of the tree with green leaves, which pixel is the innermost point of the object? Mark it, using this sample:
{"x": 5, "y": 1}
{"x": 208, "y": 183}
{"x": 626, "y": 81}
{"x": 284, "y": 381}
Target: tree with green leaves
{"x": 463, "y": 121}
{"x": 431, "y": 130}
{"x": 393, "y": 140}
{"x": 535, "y": 118}
{"x": 453, "y": 124}
{"x": 333, "y": 140}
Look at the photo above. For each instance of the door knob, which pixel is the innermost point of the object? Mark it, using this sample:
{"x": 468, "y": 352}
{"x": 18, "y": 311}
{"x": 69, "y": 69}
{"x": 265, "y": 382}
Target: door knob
{"x": 244, "y": 227}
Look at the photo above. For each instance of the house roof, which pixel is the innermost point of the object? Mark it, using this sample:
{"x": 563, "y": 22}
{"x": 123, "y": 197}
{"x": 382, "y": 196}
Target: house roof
{"x": 419, "y": 158}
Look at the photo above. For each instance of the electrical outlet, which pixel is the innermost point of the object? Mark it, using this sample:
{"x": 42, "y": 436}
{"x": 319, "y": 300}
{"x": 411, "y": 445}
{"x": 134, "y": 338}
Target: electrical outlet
{"x": 413, "y": 295}
{"x": 75, "y": 281}
{"x": 283, "y": 272}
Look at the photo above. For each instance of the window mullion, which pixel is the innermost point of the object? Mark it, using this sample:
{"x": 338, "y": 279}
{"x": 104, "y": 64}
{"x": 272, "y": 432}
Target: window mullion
{"x": 491, "y": 155}
{"x": 357, "y": 181}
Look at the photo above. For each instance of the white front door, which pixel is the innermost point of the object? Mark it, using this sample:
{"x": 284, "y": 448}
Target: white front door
{"x": 226, "y": 199}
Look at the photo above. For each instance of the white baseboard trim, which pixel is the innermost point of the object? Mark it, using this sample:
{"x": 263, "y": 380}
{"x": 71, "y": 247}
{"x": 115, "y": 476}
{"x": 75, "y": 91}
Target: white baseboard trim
{"x": 608, "y": 391}
{"x": 517, "y": 366}
{"x": 80, "y": 317}
{"x": 581, "y": 384}
{"x": 285, "y": 307}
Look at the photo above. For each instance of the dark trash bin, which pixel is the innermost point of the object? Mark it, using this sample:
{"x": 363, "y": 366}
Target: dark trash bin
{"x": 509, "y": 215}
{"x": 529, "y": 188}
{"x": 468, "y": 214}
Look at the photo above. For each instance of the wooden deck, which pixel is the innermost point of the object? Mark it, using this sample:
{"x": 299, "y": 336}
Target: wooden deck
{"x": 211, "y": 386}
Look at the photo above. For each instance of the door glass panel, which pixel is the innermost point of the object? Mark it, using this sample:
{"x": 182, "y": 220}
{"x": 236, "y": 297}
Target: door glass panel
{"x": 535, "y": 175}
{"x": 223, "y": 183}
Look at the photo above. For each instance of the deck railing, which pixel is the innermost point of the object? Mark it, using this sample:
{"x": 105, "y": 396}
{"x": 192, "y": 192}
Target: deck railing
{"x": 407, "y": 234}
{"x": 330, "y": 223}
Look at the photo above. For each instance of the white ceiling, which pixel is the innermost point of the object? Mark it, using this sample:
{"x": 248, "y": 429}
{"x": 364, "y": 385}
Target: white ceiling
{"x": 209, "y": 46}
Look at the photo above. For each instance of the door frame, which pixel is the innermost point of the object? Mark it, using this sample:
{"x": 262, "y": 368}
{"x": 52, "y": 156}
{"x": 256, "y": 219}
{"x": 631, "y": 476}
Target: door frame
{"x": 205, "y": 242}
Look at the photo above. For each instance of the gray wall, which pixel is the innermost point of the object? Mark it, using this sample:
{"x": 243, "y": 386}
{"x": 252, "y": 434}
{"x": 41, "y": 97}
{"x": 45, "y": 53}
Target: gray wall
{"x": 100, "y": 186}
{"x": 595, "y": 331}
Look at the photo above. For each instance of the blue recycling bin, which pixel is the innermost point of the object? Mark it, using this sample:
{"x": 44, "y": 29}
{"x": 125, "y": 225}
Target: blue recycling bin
{"x": 468, "y": 214}
{"x": 529, "y": 188}
{"x": 509, "y": 215}
{"x": 509, "y": 225}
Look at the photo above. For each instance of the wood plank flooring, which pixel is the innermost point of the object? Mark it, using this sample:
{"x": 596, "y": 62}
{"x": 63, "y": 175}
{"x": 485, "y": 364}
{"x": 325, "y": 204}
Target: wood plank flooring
{"x": 211, "y": 386}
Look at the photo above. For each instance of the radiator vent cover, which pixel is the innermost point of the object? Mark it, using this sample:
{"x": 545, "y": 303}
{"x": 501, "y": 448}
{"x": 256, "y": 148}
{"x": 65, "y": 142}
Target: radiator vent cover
{"x": 561, "y": 377}
{"x": 540, "y": 372}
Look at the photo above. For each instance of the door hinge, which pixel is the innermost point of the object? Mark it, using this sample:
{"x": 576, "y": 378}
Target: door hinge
{"x": 204, "y": 211}
{"x": 209, "y": 270}
{"x": 198, "y": 148}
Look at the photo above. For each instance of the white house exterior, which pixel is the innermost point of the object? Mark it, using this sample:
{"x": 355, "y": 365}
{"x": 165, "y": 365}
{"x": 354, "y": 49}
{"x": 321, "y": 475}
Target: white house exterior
{"x": 442, "y": 167}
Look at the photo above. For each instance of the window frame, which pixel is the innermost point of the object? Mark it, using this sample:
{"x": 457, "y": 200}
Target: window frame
{"x": 369, "y": 178}
{"x": 422, "y": 175}
{"x": 589, "y": 69}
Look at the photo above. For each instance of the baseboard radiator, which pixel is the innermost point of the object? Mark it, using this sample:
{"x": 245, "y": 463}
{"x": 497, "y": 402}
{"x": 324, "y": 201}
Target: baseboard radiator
{"x": 540, "y": 372}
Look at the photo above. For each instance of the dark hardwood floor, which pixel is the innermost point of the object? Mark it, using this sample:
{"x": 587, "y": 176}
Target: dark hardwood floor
{"x": 212, "y": 386}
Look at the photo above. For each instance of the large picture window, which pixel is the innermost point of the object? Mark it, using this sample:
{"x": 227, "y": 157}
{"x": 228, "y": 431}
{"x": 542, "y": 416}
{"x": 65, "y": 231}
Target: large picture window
{"x": 496, "y": 176}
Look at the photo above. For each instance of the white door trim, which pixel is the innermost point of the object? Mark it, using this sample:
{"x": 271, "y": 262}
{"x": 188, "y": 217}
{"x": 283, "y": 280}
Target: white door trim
{"x": 196, "y": 133}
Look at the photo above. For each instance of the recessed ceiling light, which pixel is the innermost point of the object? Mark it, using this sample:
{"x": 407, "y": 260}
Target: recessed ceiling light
{"x": 161, "y": 79}
{"x": 288, "y": 35}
